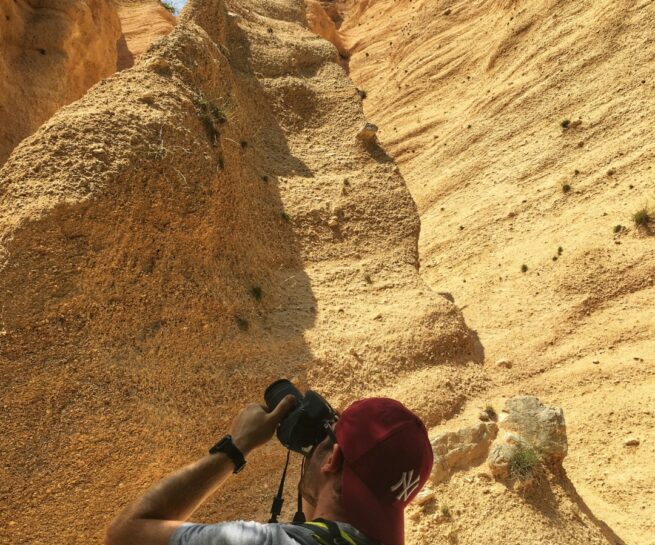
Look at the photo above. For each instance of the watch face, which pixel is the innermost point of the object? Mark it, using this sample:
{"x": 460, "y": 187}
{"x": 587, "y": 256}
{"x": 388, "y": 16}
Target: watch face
{"x": 226, "y": 446}
{"x": 220, "y": 446}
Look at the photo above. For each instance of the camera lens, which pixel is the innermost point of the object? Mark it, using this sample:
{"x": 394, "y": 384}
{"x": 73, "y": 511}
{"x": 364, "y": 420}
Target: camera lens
{"x": 277, "y": 391}
{"x": 318, "y": 408}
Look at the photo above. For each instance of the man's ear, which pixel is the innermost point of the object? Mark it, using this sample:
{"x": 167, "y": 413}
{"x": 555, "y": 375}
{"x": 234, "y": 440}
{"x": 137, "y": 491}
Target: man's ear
{"x": 334, "y": 462}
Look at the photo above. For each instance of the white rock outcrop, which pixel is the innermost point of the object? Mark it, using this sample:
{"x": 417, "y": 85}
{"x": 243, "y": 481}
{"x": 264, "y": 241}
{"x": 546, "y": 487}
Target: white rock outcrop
{"x": 527, "y": 424}
{"x": 461, "y": 449}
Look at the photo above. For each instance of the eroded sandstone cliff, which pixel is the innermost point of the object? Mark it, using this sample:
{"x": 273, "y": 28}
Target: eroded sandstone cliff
{"x": 51, "y": 52}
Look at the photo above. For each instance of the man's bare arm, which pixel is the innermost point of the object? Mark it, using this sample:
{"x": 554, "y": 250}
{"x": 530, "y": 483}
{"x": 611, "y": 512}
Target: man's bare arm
{"x": 153, "y": 518}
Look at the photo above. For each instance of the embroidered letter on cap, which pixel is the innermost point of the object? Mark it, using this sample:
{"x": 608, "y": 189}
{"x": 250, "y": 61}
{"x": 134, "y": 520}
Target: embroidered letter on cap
{"x": 406, "y": 484}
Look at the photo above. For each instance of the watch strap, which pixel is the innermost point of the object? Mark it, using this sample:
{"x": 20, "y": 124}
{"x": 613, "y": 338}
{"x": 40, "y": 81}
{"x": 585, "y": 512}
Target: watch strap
{"x": 227, "y": 447}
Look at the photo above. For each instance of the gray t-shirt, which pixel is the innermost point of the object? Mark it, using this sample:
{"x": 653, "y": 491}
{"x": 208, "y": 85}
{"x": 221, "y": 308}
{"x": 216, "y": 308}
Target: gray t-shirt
{"x": 231, "y": 533}
{"x": 242, "y": 533}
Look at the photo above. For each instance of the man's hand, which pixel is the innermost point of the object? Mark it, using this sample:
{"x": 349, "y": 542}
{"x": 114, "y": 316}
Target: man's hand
{"x": 254, "y": 426}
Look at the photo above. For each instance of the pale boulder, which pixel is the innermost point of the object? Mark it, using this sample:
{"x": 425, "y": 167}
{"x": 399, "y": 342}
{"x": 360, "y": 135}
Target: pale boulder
{"x": 462, "y": 449}
{"x": 540, "y": 426}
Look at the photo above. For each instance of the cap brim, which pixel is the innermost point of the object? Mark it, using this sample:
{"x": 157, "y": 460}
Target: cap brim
{"x": 379, "y": 521}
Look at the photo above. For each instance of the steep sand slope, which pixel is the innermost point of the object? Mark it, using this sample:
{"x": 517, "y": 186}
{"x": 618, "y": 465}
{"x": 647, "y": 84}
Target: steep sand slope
{"x": 470, "y": 98}
{"x": 51, "y": 52}
{"x": 480, "y": 510}
{"x": 191, "y": 229}
{"x": 142, "y": 22}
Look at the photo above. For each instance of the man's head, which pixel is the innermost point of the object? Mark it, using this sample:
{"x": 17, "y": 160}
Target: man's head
{"x": 366, "y": 473}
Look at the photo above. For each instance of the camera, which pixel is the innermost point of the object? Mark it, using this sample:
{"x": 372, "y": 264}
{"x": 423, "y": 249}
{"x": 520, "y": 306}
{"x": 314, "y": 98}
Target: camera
{"x": 309, "y": 422}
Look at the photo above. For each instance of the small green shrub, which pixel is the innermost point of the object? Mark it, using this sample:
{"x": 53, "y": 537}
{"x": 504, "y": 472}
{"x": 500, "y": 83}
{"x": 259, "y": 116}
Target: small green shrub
{"x": 218, "y": 114}
{"x": 208, "y": 107}
{"x": 524, "y": 268}
{"x": 523, "y": 463}
{"x": 445, "y": 510}
{"x": 566, "y": 188}
{"x": 642, "y": 217}
{"x": 211, "y": 114}
{"x": 256, "y": 292}
{"x": 566, "y": 123}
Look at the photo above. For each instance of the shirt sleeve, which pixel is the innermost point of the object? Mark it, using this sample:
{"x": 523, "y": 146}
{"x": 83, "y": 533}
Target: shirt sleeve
{"x": 231, "y": 533}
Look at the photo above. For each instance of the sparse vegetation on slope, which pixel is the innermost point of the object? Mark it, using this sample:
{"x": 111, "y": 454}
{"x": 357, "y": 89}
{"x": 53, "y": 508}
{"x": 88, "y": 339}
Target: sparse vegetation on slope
{"x": 525, "y": 75}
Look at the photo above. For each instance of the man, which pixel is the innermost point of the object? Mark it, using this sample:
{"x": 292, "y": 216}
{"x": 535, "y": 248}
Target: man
{"x": 361, "y": 477}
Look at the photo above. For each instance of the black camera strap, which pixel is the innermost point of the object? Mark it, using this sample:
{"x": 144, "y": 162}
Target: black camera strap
{"x": 278, "y": 501}
{"x": 299, "y": 517}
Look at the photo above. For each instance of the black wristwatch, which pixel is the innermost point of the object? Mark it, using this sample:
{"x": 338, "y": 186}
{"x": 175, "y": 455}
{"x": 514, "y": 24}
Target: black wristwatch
{"x": 227, "y": 447}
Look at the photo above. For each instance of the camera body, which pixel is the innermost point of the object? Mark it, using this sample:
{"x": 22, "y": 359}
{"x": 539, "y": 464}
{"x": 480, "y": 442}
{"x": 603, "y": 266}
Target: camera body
{"x": 308, "y": 424}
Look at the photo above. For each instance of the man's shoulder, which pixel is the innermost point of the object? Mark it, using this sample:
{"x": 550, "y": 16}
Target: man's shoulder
{"x": 232, "y": 533}
{"x": 255, "y": 533}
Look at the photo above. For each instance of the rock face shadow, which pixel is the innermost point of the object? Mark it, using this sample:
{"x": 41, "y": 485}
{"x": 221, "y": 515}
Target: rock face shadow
{"x": 125, "y": 56}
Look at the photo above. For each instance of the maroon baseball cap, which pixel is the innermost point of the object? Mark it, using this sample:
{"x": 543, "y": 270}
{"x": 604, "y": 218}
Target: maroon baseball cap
{"x": 387, "y": 459}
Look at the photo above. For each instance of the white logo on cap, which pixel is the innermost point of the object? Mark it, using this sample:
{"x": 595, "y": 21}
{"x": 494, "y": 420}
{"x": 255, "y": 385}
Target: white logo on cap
{"x": 406, "y": 484}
